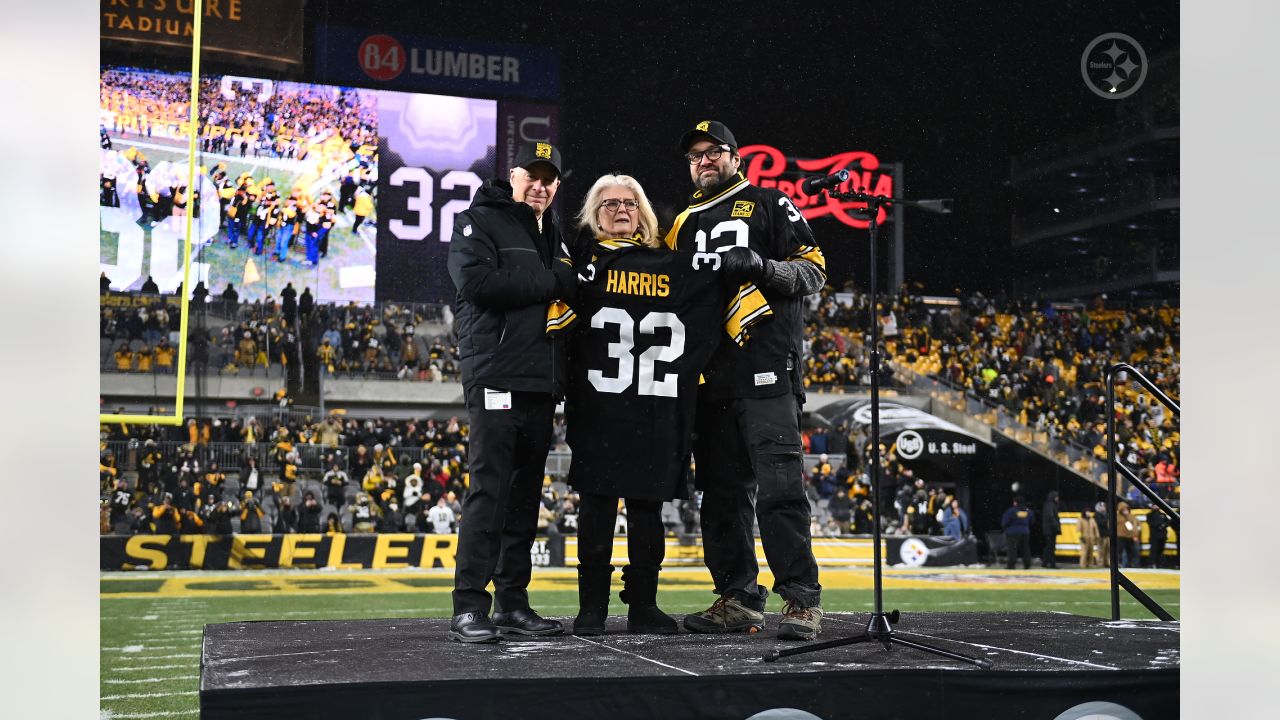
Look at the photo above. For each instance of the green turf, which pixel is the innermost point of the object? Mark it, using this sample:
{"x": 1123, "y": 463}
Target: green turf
{"x": 150, "y": 646}
{"x": 130, "y": 585}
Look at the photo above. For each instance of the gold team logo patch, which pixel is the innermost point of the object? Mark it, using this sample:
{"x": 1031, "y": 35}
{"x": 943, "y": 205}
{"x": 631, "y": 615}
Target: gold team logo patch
{"x": 703, "y": 125}
{"x": 543, "y": 150}
{"x": 742, "y": 208}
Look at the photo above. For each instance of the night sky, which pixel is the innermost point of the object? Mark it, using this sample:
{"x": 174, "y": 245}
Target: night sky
{"x": 950, "y": 91}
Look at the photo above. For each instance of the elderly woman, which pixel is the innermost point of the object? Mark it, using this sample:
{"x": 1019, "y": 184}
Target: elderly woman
{"x": 616, "y": 208}
{"x": 618, "y": 215}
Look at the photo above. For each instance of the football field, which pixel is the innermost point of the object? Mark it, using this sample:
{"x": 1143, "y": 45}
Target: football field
{"x": 152, "y": 622}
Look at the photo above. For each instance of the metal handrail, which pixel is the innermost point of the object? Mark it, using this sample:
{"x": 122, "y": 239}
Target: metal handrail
{"x": 1118, "y": 579}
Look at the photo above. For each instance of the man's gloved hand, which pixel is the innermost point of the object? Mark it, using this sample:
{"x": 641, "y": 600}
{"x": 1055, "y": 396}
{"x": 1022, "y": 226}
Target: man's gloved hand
{"x": 566, "y": 280}
{"x": 743, "y": 264}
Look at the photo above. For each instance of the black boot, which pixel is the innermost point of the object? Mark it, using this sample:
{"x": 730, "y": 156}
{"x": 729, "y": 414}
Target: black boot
{"x": 640, "y": 593}
{"x": 593, "y": 599}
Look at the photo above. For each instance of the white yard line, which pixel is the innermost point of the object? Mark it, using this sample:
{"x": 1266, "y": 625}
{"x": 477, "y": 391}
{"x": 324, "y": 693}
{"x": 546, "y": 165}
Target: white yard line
{"x": 141, "y": 668}
{"x": 176, "y": 656}
{"x": 113, "y": 681}
{"x": 146, "y": 696}
{"x": 111, "y": 715}
{"x": 142, "y": 648}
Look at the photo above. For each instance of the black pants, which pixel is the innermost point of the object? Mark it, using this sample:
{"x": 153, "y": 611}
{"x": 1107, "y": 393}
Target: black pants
{"x": 749, "y": 460}
{"x": 1157, "y": 546}
{"x": 1019, "y": 545}
{"x": 1049, "y": 558}
{"x": 597, "y": 514}
{"x": 508, "y": 457}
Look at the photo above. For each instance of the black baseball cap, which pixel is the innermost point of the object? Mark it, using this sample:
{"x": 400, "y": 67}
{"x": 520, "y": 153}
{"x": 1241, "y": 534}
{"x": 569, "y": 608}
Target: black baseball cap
{"x": 713, "y": 129}
{"x": 540, "y": 152}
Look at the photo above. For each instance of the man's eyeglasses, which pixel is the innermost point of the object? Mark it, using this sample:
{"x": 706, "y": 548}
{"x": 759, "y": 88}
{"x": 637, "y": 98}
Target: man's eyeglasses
{"x": 613, "y": 205}
{"x": 713, "y": 154}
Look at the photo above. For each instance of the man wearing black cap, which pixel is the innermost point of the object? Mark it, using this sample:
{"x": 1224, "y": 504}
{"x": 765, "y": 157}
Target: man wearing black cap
{"x": 747, "y": 442}
{"x": 508, "y": 263}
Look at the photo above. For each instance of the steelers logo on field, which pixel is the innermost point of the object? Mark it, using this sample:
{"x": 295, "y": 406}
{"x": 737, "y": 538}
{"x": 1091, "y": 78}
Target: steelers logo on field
{"x": 704, "y": 125}
{"x": 913, "y": 552}
{"x": 910, "y": 444}
{"x": 543, "y": 150}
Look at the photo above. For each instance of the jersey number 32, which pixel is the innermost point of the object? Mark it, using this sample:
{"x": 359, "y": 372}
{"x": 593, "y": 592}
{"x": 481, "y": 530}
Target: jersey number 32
{"x": 629, "y": 366}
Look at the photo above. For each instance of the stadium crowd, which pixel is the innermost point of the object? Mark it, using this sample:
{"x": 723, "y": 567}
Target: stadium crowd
{"x": 250, "y": 475}
{"x": 237, "y": 117}
{"x": 291, "y": 473}
{"x": 1044, "y": 364}
{"x": 139, "y": 333}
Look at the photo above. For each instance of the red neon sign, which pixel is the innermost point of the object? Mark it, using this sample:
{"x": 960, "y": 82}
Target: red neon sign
{"x": 765, "y": 164}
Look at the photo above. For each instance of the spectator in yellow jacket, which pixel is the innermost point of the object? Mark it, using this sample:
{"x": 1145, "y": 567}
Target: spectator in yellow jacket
{"x": 363, "y": 208}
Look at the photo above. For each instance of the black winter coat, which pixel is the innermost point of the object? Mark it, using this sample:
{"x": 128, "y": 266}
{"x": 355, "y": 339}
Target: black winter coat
{"x": 1049, "y": 523}
{"x": 501, "y": 266}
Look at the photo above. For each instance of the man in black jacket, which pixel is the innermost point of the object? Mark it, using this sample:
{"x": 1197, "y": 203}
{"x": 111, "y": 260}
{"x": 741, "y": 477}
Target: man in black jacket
{"x": 508, "y": 263}
{"x": 1050, "y": 527}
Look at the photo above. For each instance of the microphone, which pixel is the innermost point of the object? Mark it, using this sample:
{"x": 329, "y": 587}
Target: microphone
{"x": 813, "y": 185}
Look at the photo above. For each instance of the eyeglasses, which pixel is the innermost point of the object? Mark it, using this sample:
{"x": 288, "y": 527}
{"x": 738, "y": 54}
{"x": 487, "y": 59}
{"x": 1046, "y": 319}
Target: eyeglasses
{"x": 713, "y": 154}
{"x": 613, "y": 205}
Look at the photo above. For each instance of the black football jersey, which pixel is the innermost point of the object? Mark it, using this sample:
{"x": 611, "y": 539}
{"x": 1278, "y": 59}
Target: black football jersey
{"x": 737, "y": 213}
{"x": 645, "y": 324}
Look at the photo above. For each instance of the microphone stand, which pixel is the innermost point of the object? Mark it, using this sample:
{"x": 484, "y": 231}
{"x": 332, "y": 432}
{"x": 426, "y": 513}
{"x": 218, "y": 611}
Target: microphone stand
{"x": 880, "y": 625}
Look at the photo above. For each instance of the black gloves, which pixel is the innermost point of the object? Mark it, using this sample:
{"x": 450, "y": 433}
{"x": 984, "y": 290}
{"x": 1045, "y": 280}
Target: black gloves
{"x": 566, "y": 280}
{"x": 742, "y": 264}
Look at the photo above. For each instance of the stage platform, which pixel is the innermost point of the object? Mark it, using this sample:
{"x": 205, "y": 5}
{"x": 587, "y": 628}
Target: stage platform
{"x": 1043, "y": 666}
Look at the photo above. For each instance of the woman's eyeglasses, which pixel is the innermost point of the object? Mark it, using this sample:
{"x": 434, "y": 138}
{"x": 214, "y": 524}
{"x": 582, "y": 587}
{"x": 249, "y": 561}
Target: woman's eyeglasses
{"x": 613, "y": 205}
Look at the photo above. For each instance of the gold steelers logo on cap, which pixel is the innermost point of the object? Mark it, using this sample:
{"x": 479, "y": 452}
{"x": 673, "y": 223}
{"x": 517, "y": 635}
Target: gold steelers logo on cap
{"x": 704, "y": 125}
{"x": 543, "y": 150}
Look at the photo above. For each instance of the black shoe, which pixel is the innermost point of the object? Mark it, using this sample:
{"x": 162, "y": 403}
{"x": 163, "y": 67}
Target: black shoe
{"x": 526, "y": 622}
{"x": 473, "y": 627}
